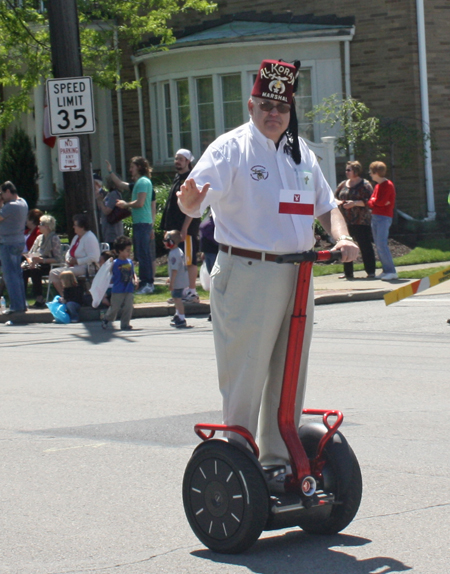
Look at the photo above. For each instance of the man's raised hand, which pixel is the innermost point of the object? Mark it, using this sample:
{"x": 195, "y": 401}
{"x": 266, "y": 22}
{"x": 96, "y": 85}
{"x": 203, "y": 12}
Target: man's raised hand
{"x": 190, "y": 197}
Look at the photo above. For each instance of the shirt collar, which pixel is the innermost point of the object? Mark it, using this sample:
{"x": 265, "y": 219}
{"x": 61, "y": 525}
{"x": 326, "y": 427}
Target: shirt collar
{"x": 266, "y": 142}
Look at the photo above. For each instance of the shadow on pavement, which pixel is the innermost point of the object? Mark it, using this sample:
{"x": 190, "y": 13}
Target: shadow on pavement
{"x": 95, "y": 334}
{"x": 296, "y": 552}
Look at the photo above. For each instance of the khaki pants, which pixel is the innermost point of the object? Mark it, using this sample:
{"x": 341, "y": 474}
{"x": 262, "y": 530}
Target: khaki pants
{"x": 251, "y": 304}
{"x": 122, "y": 302}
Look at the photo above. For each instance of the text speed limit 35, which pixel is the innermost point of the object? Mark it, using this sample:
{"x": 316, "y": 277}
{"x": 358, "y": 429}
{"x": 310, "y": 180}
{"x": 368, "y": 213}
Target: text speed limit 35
{"x": 71, "y": 106}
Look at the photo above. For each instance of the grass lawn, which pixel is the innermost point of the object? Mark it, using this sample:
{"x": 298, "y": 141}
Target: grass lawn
{"x": 162, "y": 293}
{"x": 429, "y": 251}
{"x": 420, "y": 273}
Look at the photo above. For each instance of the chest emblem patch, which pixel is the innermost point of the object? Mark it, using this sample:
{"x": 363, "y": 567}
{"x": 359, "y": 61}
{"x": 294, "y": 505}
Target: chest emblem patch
{"x": 297, "y": 197}
{"x": 258, "y": 173}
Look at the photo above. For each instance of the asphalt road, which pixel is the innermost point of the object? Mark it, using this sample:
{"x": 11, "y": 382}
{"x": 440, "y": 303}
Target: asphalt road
{"x": 96, "y": 430}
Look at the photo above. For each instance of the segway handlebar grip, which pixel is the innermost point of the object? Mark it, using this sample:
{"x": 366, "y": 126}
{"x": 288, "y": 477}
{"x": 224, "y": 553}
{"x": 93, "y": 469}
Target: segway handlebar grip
{"x": 309, "y": 256}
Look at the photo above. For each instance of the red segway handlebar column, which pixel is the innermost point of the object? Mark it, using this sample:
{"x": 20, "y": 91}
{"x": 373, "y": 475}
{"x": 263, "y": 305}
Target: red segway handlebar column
{"x": 301, "y": 468}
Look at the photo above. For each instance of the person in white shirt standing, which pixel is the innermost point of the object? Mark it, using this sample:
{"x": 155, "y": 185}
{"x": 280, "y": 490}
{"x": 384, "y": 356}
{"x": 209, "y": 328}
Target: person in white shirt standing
{"x": 265, "y": 188}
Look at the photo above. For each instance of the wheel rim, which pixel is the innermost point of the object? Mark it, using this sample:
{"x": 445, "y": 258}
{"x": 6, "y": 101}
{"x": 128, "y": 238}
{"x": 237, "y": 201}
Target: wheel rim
{"x": 216, "y": 496}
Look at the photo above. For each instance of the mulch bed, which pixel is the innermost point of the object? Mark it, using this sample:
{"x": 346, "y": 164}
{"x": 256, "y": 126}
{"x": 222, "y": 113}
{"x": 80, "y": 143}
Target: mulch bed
{"x": 397, "y": 249}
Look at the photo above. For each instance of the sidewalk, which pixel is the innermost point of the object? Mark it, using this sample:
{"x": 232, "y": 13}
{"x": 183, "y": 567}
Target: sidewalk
{"x": 330, "y": 289}
{"x": 327, "y": 289}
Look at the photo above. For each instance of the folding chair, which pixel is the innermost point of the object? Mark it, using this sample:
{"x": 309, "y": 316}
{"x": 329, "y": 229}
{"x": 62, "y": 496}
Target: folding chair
{"x": 64, "y": 249}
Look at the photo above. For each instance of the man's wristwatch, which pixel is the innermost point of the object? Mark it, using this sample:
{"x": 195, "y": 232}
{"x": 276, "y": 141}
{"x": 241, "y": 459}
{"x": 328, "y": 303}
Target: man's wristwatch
{"x": 347, "y": 237}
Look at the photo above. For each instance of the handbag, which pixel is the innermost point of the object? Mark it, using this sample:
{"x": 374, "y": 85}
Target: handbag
{"x": 117, "y": 214}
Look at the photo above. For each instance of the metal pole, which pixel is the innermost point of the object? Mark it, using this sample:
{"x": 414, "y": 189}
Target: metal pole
{"x": 423, "y": 75}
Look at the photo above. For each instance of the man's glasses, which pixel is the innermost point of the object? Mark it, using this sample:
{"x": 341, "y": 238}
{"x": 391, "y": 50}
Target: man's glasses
{"x": 349, "y": 169}
{"x": 268, "y": 107}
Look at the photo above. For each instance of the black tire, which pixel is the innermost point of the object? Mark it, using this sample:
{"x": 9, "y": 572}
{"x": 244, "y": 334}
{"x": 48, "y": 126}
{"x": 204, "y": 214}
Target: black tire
{"x": 225, "y": 496}
{"x": 341, "y": 477}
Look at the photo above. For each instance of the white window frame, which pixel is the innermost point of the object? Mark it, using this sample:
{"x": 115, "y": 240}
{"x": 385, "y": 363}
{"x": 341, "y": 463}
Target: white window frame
{"x": 161, "y": 154}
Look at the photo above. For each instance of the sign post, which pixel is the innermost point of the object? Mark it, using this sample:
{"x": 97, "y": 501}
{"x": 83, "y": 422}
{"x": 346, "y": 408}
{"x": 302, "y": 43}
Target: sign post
{"x": 71, "y": 106}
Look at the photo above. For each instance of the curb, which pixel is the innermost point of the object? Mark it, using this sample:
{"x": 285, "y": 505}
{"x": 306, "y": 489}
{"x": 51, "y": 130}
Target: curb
{"x": 88, "y": 314}
{"x": 160, "y": 309}
{"x": 349, "y": 296}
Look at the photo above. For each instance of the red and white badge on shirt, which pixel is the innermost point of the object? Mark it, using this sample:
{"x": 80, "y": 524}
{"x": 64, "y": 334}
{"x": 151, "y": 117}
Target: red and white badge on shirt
{"x": 295, "y": 202}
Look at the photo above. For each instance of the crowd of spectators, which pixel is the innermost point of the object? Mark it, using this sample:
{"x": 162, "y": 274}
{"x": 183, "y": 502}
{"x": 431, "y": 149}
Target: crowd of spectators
{"x": 30, "y": 248}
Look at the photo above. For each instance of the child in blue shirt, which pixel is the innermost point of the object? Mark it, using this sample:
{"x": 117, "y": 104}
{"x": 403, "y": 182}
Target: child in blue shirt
{"x": 123, "y": 285}
{"x": 178, "y": 276}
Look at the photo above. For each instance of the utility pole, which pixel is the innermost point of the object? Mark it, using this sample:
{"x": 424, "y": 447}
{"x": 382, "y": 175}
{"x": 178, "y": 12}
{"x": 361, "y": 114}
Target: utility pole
{"x": 66, "y": 59}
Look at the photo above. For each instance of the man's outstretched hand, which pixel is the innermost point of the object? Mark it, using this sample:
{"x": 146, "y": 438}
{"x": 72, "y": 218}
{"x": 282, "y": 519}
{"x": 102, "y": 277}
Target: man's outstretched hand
{"x": 190, "y": 197}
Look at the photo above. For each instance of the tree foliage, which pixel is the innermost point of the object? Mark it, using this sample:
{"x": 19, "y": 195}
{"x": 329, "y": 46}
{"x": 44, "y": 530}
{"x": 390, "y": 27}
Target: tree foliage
{"x": 357, "y": 130}
{"x": 18, "y": 164}
{"x": 105, "y": 25}
{"x": 399, "y": 140}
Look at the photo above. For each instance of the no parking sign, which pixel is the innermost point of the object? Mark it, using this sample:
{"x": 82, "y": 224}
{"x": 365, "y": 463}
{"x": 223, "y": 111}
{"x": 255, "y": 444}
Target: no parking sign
{"x": 69, "y": 154}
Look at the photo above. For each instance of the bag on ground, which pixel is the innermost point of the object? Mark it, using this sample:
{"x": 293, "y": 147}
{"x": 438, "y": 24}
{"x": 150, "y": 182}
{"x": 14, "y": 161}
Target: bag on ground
{"x": 59, "y": 311}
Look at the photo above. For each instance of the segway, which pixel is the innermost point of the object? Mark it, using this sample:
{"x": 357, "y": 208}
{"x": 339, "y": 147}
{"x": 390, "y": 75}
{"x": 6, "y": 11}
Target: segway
{"x": 229, "y": 498}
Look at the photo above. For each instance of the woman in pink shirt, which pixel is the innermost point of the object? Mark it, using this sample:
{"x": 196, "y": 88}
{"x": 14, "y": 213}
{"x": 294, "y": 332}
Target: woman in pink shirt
{"x": 382, "y": 204}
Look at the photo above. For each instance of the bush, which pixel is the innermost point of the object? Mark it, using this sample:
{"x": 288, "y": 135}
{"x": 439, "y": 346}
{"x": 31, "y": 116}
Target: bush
{"x": 59, "y": 212}
{"x": 18, "y": 164}
{"x": 162, "y": 193}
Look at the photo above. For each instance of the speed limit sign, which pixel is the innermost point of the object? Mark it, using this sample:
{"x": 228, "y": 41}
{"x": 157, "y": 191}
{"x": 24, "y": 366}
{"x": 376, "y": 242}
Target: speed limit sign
{"x": 71, "y": 106}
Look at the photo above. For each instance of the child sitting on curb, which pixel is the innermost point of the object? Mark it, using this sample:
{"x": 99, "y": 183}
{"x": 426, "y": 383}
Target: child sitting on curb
{"x": 72, "y": 294}
{"x": 178, "y": 276}
{"x": 124, "y": 281}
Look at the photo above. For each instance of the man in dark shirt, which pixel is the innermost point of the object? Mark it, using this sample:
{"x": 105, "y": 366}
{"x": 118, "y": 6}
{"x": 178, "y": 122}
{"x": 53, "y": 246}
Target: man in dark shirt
{"x": 174, "y": 218}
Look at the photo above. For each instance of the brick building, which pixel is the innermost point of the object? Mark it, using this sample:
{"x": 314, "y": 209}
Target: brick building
{"x": 199, "y": 87}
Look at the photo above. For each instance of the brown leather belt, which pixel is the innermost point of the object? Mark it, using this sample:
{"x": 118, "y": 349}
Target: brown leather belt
{"x": 247, "y": 253}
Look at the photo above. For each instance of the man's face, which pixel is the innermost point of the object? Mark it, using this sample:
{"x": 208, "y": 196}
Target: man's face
{"x": 134, "y": 171}
{"x": 181, "y": 163}
{"x": 272, "y": 124}
{"x": 6, "y": 196}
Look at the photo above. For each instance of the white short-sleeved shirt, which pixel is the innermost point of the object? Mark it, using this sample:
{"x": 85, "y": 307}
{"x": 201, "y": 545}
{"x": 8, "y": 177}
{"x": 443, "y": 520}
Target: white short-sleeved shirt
{"x": 260, "y": 198}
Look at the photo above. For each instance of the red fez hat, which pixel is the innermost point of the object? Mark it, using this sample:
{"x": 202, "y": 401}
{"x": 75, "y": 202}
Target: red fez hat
{"x": 275, "y": 81}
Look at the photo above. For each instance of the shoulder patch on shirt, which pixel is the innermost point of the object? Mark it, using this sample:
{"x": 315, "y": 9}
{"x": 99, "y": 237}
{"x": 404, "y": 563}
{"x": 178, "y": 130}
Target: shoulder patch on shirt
{"x": 258, "y": 172}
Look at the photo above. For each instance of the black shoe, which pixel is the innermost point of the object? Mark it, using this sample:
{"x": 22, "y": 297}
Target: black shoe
{"x": 104, "y": 323}
{"x": 38, "y": 305}
{"x": 177, "y": 322}
{"x": 127, "y": 328}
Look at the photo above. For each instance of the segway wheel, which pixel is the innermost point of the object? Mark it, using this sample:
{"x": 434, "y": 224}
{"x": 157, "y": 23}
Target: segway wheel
{"x": 225, "y": 496}
{"x": 341, "y": 477}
